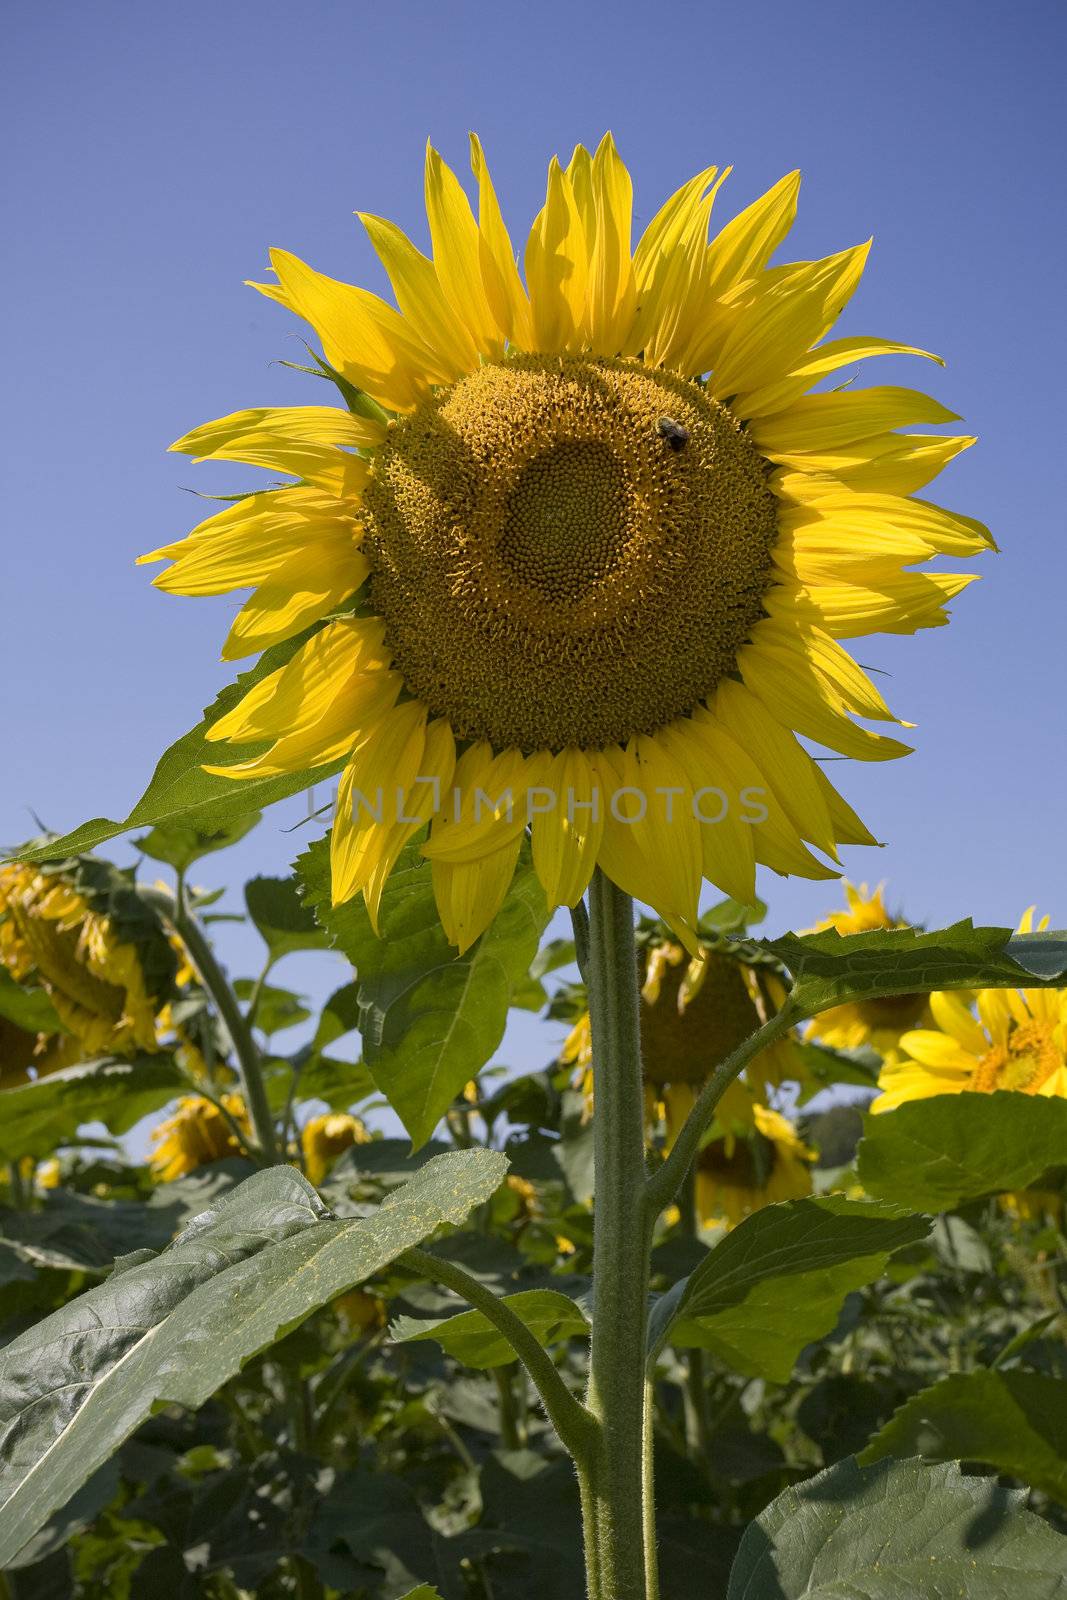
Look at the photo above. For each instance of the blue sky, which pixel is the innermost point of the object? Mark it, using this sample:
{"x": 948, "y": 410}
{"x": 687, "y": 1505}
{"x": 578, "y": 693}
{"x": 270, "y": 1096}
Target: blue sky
{"x": 158, "y": 153}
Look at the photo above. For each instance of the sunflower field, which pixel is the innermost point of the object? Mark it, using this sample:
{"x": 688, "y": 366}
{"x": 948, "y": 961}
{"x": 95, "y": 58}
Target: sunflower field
{"x": 756, "y": 1286}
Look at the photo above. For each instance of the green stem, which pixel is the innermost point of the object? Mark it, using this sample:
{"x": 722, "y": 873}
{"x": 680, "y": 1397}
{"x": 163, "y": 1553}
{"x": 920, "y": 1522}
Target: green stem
{"x": 511, "y": 1432}
{"x": 664, "y": 1184}
{"x": 567, "y": 1415}
{"x": 649, "y": 1491}
{"x": 214, "y": 980}
{"x": 16, "y": 1186}
{"x": 618, "y": 1475}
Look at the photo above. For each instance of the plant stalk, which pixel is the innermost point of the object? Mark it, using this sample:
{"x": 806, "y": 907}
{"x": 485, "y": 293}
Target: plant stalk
{"x": 614, "y": 1497}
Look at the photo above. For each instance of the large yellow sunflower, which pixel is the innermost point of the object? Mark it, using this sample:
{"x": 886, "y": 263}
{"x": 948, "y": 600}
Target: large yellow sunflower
{"x": 878, "y": 1023}
{"x": 1018, "y": 1040}
{"x": 580, "y": 549}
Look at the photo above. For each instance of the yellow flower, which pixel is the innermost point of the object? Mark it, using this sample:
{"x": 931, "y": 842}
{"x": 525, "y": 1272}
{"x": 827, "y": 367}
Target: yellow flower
{"x": 738, "y": 1174}
{"x": 878, "y": 1023}
{"x": 694, "y": 1013}
{"x": 364, "y": 1312}
{"x": 580, "y": 550}
{"x": 195, "y": 1133}
{"x": 52, "y": 937}
{"x": 327, "y": 1137}
{"x": 1018, "y": 1040}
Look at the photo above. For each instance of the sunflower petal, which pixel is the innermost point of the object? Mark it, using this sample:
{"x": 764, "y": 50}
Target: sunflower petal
{"x": 500, "y": 274}
{"x": 457, "y": 255}
{"x": 299, "y": 592}
{"x": 557, "y": 267}
{"x": 387, "y": 758}
{"x": 566, "y": 837}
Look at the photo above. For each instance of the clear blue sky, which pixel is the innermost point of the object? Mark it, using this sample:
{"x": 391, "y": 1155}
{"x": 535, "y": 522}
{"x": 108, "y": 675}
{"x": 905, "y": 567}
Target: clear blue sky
{"x": 157, "y": 153}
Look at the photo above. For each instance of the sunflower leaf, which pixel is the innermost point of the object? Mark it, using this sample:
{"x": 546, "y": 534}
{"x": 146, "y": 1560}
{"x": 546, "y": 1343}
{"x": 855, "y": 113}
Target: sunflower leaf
{"x": 938, "y": 1152}
{"x": 899, "y": 1528}
{"x": 282, "y": 919}
{"x": 36, "y": 1117}
{"x": 182, "y": 792}
{"x": 430, "y": 1019}
{"x": 831, "y": 969}
{"x": 173, "y": 1328}
{"x": 179, "y": 844}
{"x": 470, "y": 1337}
{"x": 1013, "y": 1421}
{"x": 29, "y": 1009}
{"x": 777, "y": 1281}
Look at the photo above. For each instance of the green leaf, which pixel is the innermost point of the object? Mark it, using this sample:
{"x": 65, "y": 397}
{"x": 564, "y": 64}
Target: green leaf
{"x": 285, "y": 923}
{"x": 174, "y": 1328}
{"x": 1013, "y": 1421}
{"x": 469, "y": 1336}
{"x": 430, "y": 1018}
{"x": 36, "y": 1117}
{"x": 30, "y": 1009}
{"x": 276, "y": 1009}
{"x": 179, "y": 844}
{"x": 181, "y": 791}
{"x": 830, "y": 969}
{"x": 898, "y": 1531}
{"x": 937, "y": 1153}
{"x": 777, "y": 1281}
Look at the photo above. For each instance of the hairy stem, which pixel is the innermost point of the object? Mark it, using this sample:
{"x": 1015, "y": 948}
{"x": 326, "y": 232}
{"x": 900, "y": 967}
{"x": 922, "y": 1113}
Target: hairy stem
{"x": 617, "y": 1489}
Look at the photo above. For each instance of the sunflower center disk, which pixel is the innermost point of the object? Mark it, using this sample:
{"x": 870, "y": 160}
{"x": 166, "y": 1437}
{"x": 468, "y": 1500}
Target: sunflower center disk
{"x": 567, "y": 551}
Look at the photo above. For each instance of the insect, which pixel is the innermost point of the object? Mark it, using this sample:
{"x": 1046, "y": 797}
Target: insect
{"x": 675, "y": 435}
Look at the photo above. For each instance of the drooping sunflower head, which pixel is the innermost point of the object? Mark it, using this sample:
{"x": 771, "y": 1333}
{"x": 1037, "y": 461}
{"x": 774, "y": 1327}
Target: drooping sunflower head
{"x": 577, "y": 552}
{"x": 1008, "y": 1039}
{"x": 878, "y": 1023}
{"x": 196, "y": 1133}
{"x": 78, "y": 930}
{"x": 740, "y": 1173}
{"x": 326, "y": 1137}
{"x": 694, "y": 1012}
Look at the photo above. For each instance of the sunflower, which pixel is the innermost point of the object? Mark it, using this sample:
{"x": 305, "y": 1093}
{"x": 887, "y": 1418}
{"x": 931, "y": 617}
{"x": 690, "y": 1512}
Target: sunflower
{"x": 1018, "y": 1040}
{"x": 195, "y": 1133}
{"x": 52, "y": 937}
{"x": 878, "y": 1023}
{"x": 327, "y": 1137}
{"x": 694, "y": 1013}
{"x": 741, "y": 1172}
{"x": 578, "y": 552}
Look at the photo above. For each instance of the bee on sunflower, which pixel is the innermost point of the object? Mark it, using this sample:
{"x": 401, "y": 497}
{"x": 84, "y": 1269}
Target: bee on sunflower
{"x": 578, "y": 551}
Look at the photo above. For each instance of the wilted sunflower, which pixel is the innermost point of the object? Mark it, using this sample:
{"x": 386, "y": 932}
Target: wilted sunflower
{"x": 62, "y": 928}
{"x": 580, "y": 550}
{"x": 880, "y": 1022}
{"x": 694, "y": 1013}
{"x": 1018, "y": 1040}
{"x": 741, "y": 1172}
{"x": 195, "y": 1133}
{"x": 326, "y": 1137}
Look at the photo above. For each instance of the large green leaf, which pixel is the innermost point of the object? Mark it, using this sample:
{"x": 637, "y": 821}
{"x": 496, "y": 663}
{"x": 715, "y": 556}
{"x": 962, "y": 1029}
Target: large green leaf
{"x": 899, "y": 1531}
{"x": 472, "y": 1338}
{"x": 282, "y": 918}
{"x": 182, "y": 792}
{"x": 176, "y": 1327}
{"x": 777, "y": 1281}
{"x": 36, "y": 1117}
{"x": 430, "y": 1018}
{"x": 830, "y": 968}
{"x": 1013, "y": 1421}
{"x": 937, "y": 1153}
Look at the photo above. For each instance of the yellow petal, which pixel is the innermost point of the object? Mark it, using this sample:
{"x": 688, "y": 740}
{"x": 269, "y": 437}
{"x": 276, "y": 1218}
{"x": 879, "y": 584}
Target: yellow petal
{"x": 420, "y": 296}
{"x": 387, "y": 758}
{"x": 787, "y": 767}
{"x": 727, "y": 841}
{"x": 566, "y": 837}
{"x": 819, "y": 363}
{"x": 423, "y": 799}
{"x": 298, "y": 593}
{"x": 937, "y": 1050}
{"x": 500, "y": 274}
{"x": 785, "y": 320}
{"x": 470, "y": 893}
{"x": 612, "y": 292}
{"x": 457, "y": 255}
{"x": 557, "y": 268}
{"x": 322, "y": 741}
{"x": 821, "y": 422}
{"x": 246, "y": 544}
{"x": 902, "y": 603}
{"x": 299, "y": 693}
{"x": 954, "y": 1018}
{"x": 363, "y": 338}
{"x": 888, "y": 463}
{"x": 307, "y": 441}
{"x": 743, "y": 247}
{"x": 492, "y": 805}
